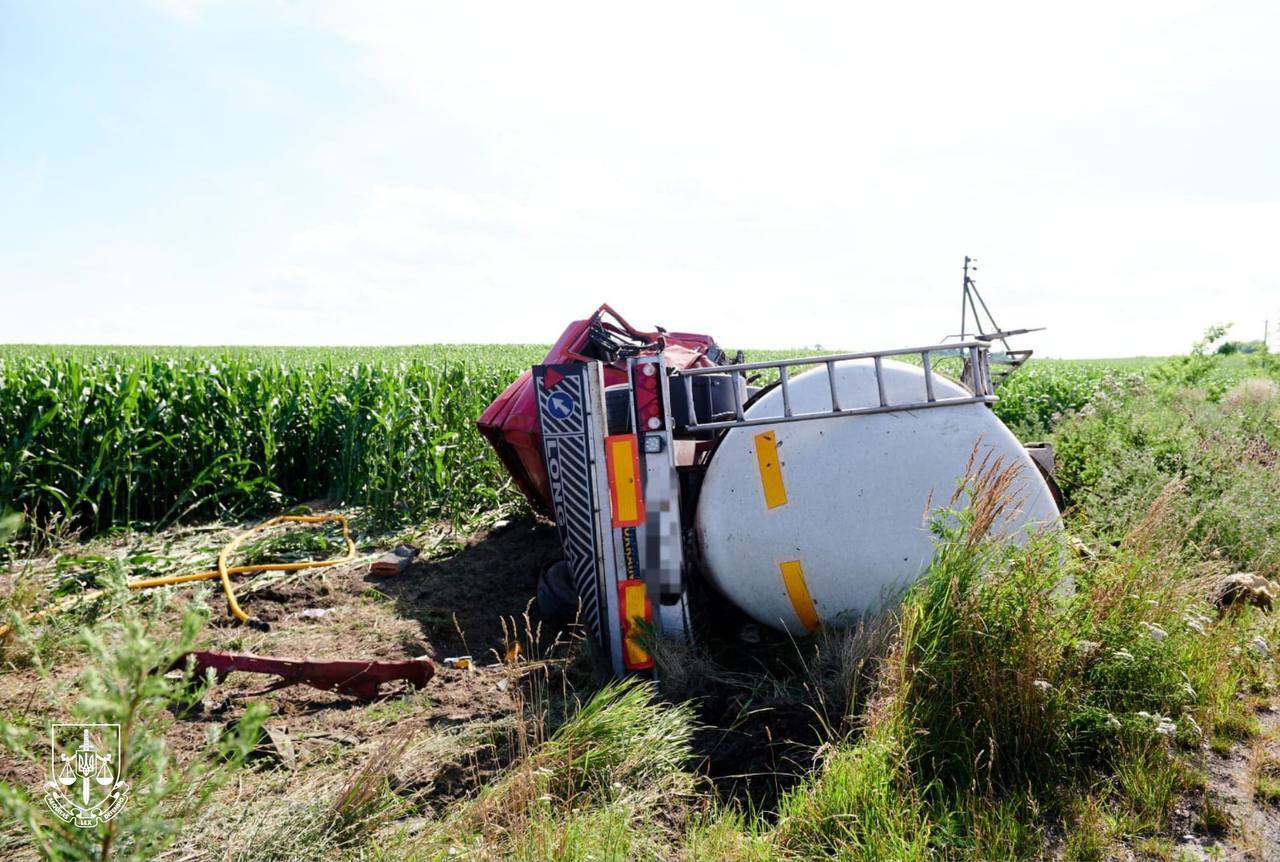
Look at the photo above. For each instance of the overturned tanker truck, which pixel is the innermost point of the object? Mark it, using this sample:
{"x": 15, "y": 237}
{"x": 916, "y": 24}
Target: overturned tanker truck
{"x": 800, "y": 501}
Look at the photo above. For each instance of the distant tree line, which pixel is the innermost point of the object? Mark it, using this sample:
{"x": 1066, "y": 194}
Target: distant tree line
{"x": 1229, "y": 348}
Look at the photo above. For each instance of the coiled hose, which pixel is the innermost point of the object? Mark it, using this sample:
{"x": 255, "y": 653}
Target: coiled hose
{"x": 223, "y": 571}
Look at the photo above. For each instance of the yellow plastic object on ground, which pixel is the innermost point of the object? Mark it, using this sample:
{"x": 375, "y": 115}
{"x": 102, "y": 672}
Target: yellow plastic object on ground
{"x": 223, "y": 571}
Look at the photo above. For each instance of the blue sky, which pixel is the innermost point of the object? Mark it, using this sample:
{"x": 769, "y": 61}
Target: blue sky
{"x": 343, "y": 173}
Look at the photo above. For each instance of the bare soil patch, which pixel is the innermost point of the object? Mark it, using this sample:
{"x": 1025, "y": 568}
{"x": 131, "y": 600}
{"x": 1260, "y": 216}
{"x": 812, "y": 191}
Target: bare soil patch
{"x": 467, "y": 595}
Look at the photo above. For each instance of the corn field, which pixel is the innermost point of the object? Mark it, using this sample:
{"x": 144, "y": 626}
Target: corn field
{"x": 97, "y": 437}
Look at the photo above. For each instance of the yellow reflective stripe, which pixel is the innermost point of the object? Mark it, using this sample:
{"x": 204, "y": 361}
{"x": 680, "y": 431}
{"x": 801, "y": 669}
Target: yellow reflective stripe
{"x": 798, "y": 592}
{"x": 622, "y": 460}
{"x": 775, "y": 494}
{"x": 635, "y": 607}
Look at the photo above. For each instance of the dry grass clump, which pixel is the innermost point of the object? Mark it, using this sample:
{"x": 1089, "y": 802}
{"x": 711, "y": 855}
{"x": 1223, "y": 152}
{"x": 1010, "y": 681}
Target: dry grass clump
{"x": 366, "y": 800}
{"x": 1264, "y": 773}
{"x": 1253, "y": 392}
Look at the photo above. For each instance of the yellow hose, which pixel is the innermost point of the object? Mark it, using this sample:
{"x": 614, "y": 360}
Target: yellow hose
{"x": 223, "y": 571}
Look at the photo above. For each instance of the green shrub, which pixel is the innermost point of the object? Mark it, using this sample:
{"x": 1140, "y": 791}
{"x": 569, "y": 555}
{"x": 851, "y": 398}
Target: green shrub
{"x": 1035, "y": 398}
{"x": 1118, "y": 455}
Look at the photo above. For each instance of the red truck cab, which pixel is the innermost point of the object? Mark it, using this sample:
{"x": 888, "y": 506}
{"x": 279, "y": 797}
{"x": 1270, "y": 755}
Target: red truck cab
{"x": 510, "y": 423}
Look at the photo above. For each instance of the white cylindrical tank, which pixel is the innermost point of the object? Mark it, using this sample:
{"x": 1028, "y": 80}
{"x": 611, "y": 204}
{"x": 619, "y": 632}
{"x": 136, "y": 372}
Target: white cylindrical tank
{"x": 801, "y": 522}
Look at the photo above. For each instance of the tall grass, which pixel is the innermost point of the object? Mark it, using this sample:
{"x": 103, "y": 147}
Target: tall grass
{"x": 594, "y": 789}
{"x": 1009, "y": 703}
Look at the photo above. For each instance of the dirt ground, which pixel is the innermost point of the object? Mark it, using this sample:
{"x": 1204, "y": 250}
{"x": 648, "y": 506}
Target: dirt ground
{"x": 1255, "y": 831}
{"x": 466, "y": 595}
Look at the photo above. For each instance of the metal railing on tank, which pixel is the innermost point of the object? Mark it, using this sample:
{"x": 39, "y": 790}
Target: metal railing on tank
{"x": 976, "y": 379}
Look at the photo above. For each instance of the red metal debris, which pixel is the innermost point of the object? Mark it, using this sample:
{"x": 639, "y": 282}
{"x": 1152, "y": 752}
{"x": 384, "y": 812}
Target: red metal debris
{"x": 355, "y": 677}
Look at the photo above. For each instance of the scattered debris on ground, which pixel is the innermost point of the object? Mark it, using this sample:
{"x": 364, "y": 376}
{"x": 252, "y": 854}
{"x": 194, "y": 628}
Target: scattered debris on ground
{"x": 1244, "y": 588}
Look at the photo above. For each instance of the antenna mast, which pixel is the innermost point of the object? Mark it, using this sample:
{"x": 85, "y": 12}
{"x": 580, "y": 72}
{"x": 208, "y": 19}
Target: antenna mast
{"x": 971, "y": 302}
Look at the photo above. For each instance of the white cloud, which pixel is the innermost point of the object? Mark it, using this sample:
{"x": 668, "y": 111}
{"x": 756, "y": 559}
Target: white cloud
{"x": 805, "y": 176}
{"x": 784, "y": 175}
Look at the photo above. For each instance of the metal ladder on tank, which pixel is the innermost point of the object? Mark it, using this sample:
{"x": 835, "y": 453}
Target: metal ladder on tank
{"x": 976, "y": 379}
